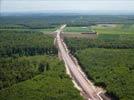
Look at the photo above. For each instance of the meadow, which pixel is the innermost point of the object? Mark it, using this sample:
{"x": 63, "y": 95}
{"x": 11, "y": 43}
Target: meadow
{"x": 114, "y": 28}
{"x": 77, "y": 29}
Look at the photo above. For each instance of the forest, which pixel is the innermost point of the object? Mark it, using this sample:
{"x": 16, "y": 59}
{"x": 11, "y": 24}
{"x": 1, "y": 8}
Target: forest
{"x": 47, "y": 80}
{"x": 117, "y": 41}
{"x": 29, "y": 64}
{"x": 19, "y": 43}
{"x": 107, "y": 59}
{"x": 30, "y": 68}
{"x": 112, "y": 69}
{"x": 41, "y": 21}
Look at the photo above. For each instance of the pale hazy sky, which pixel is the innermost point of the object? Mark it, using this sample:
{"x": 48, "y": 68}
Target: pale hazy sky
{"x": 66, "y": 5}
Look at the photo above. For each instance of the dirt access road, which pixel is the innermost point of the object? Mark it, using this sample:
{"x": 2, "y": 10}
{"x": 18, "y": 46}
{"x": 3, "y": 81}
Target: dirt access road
{"x": 89, "y": 90}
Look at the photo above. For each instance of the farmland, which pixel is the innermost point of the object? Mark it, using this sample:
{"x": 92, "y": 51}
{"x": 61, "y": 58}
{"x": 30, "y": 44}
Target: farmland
{"x": 104, "y": 28}
{"x": 77, "y": 29}
{"x": 114, "y": 28}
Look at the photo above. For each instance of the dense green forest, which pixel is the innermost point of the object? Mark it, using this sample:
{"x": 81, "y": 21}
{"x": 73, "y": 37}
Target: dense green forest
{"x": 50, "y": 82}
{"x": 122, "y": 41}
{"x": 19, "y": 43}
{"x": 40, "y": 21}
{"x": 14, "y": 70}
{"x": 113, "y": 69}
{"x": 107, "y": 60}
{"x": 30, "y": 69}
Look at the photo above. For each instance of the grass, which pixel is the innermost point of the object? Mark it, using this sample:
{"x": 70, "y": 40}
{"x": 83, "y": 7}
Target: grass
{"x": 77, "y": 29}
{"x": 104, "y": 29}
{"x": 117, "y": 29}
{"x": 113, "y": 29}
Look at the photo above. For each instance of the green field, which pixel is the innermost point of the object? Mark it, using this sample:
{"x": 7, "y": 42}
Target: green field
{"x": 77, "y": 29}
{"x": 51, "y": 84}
{"x": 114, "y": 28}
{"x": 104, "y": 29}
{"x": 112, "y": 69}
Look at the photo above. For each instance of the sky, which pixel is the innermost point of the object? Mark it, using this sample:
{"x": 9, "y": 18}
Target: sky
{"x": 67, "y": 6}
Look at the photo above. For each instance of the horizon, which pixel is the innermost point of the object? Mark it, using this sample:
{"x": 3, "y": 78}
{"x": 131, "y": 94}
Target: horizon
{"x": 66, "y": 13}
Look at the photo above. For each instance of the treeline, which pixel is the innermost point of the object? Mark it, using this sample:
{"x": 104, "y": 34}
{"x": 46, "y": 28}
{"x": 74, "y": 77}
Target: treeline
{"x": 40, "y": 21}
{"x": 51, "y": 82}
{"x": 108, "y": 41}
{"x": 25, "y": 43}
